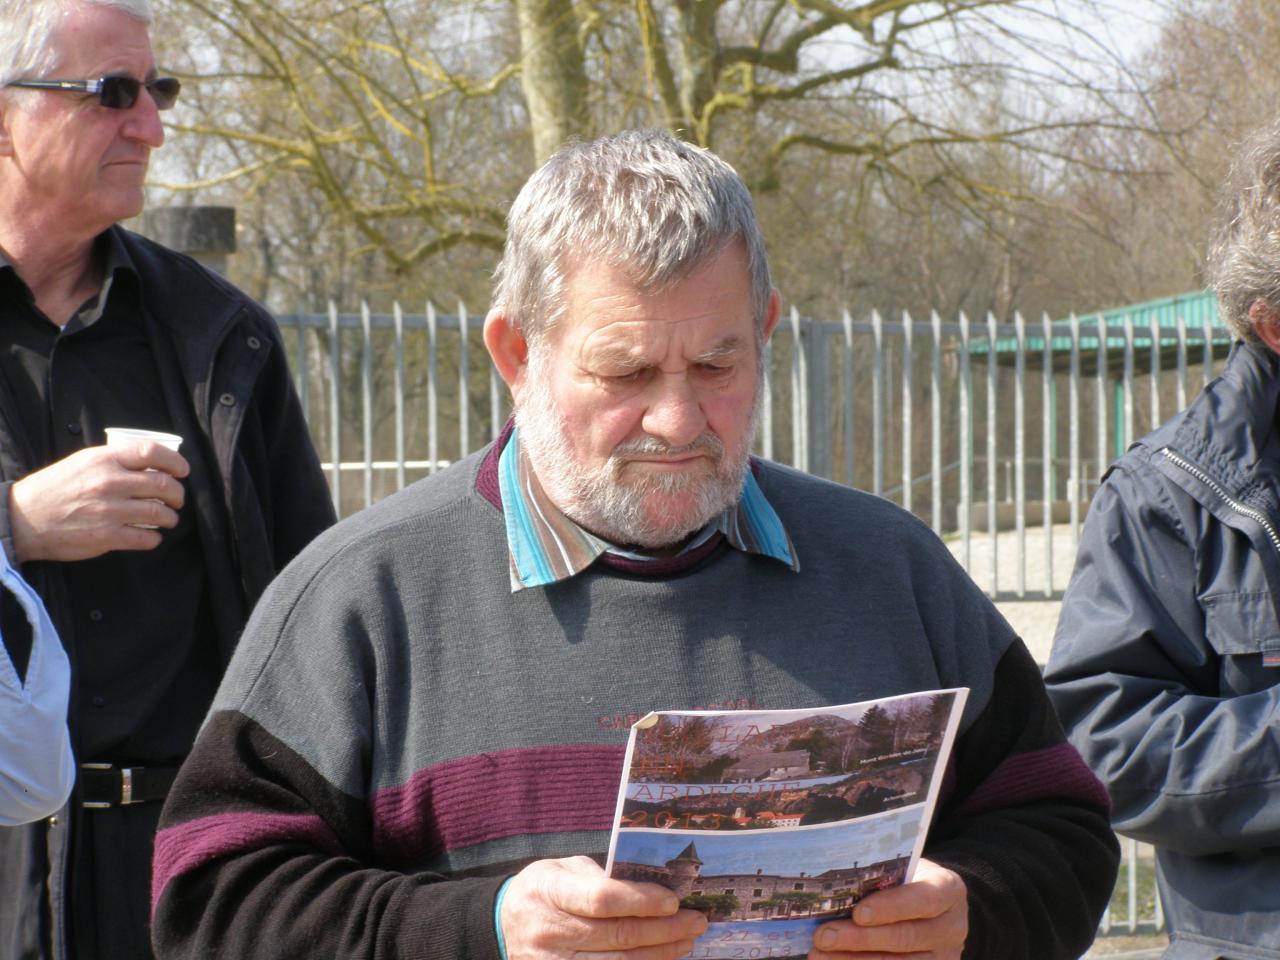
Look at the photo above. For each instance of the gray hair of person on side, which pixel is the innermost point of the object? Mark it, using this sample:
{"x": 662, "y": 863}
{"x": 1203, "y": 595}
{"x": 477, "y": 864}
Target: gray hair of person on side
{"x": 26, "y": 34}
{"x": 641, "y": 200}
{"x": 1243, "y": 265}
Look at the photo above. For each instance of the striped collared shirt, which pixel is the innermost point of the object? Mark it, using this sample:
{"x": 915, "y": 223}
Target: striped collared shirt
{"x": 546, "y": 546}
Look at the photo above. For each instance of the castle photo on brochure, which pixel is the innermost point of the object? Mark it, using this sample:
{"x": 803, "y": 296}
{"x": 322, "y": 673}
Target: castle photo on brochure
{"x": 768, "y": 890}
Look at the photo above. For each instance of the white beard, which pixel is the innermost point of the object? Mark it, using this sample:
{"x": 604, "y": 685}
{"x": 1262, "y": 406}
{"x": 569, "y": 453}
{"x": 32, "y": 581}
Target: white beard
{"x": 627, "y": 511}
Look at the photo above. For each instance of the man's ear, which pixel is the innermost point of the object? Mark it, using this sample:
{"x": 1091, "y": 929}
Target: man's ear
{"x": 507, "y": 346}
{"x": 771, "y": 315}
{"x": 1265, "y": 320}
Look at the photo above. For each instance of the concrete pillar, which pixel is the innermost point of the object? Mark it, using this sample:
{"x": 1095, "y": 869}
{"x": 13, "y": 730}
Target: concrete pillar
{"x": 206, "y": 233}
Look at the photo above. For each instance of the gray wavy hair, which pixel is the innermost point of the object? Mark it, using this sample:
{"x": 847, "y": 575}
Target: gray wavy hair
{"x": 1243, "y": 264}
{"x": 641, "y": 200}
{"x": 26, "y": 34}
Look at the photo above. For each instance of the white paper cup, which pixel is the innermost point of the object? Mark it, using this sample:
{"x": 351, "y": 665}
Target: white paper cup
{"x": 128, "y": 436}
{"x": 131, "y": 436}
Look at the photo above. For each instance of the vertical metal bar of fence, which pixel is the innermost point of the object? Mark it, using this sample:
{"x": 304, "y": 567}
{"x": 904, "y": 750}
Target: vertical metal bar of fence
{"x": 433, "y": 390}
{"x": 850, "y": 409}
{"x": 1046, "y": 450}
{"x": 935, "y": 425}
{"x": 818, "y": 397}
{"x": 799, "y": 396}
{"x": 877, "y": 404}
{"x": 464, "y": 395}
{"x": 1155, "y": 370}
{"x": 1073, "y": 435}
{"x": 966, "y": 446}
{"x": 766, "y": 416}
{"x": 1128, "y": 384}
{"x": 366, "y": 399}
{"x": 1100, "y": 381}
{"x": 1020, "y": 455}
{"x": 891, "y": 434}
{"x": 1182, "y": 361}
{"x": 398, "y": 316}
{"x": 496, "y": 386}
{"x": 335, "y": 404}
{"x": 908, "y": 352}
{"x": 1208, "y": 348}
{"x": 1132, "y": 883}
{"x": 992, "y": 466}
{"x": 1159, "y": 910}
{"x": 304, "y": 375}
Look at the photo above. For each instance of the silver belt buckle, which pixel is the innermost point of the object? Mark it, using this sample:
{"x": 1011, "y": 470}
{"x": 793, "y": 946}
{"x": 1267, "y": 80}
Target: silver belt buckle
{"x": 126, "y": 786}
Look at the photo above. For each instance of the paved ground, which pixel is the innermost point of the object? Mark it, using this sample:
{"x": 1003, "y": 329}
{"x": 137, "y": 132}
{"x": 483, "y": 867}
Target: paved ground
{"x": 1032, "y": 615}
{"x": 1129, "y": 948}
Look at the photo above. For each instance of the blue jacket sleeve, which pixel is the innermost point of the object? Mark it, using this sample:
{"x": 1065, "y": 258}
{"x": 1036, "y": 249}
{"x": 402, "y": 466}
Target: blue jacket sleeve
{"x": 1192, "y": 765}
{"x": 36, "y": 766}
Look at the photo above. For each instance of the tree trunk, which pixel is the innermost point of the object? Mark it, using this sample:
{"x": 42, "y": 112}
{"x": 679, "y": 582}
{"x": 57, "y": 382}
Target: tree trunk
{"x": 697, "y": 39}
{"x": 552, "y": 74}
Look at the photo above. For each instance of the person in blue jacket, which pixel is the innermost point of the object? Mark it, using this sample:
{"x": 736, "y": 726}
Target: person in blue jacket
{"x": 1166, "y": 663}
{"x": 36, "y": 766}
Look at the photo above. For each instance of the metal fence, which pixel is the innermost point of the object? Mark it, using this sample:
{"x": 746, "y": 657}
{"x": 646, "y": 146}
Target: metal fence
{"x": 994, "y": 433}
{"x": 1135, "y": 907}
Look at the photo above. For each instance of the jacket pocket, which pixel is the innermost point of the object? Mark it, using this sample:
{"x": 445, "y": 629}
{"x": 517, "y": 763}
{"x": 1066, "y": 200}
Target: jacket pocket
{"x": 1243, "y": 630}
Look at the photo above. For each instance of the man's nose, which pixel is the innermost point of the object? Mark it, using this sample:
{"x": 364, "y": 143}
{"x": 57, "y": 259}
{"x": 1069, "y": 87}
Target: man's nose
{"x": 143, "y": 121}
{"x": 674, "y": 413}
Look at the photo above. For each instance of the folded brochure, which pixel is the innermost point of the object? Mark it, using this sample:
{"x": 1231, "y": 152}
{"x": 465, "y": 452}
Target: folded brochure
{"x": 776, "y": 821}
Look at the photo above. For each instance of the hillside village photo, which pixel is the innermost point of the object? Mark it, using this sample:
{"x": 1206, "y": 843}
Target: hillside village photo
{"x": 754, "y": 770}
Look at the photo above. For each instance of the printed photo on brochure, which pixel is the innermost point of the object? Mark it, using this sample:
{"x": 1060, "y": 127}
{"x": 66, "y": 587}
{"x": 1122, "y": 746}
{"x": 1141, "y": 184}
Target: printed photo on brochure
{"x": 773, "y": 822}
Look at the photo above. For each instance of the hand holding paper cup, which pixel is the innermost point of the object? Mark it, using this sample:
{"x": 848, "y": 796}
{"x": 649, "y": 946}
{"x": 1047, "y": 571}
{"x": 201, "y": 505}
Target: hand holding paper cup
{"x": 132, "y": 436}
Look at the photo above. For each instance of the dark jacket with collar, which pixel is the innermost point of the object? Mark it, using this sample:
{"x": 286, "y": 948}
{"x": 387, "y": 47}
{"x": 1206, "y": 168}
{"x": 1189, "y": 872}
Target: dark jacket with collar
{"x": 259, "y": 493}
{"x": 1166, "y": 663}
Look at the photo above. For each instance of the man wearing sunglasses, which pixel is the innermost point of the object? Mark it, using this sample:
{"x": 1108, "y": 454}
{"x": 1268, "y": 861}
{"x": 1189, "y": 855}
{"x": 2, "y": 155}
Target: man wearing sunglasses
{"x": 147, "y": 559}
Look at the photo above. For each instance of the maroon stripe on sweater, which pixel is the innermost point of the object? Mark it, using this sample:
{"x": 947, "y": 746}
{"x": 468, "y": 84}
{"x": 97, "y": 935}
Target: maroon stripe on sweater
{"x": 190, "y": 845}
{"x": 1052, "y": 773}
{"x": 507, "y": 793}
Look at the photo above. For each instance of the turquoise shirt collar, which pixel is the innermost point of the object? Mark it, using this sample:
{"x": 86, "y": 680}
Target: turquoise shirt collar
{"x": 545, "y": 546}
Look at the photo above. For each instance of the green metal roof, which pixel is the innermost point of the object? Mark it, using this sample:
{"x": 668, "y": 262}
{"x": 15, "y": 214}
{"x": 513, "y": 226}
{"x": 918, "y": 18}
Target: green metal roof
{"x": 1194, "y": 308}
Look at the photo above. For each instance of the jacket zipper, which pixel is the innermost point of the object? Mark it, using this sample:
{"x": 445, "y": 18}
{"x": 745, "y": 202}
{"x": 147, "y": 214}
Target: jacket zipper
{"x": 1254, "y": 515}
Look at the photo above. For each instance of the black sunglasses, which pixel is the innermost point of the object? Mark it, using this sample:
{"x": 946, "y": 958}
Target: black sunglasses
{"x": 115, "y": 93}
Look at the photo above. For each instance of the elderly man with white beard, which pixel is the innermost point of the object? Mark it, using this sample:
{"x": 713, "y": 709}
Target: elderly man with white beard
{"x": 417, "y": 749}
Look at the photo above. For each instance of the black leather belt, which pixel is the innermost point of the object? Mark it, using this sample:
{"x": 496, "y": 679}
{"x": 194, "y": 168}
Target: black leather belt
{"x": 105, "y": 785}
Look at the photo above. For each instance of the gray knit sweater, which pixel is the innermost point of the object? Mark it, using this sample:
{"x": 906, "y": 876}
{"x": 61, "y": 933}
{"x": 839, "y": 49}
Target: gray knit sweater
{"x": 399, "y": 731}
